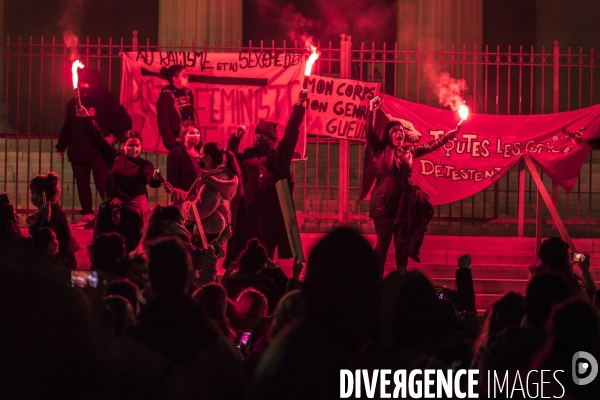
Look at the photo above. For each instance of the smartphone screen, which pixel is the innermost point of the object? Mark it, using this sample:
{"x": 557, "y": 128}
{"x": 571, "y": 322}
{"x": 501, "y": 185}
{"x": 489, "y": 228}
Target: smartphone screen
{"x": 244, "y": 339}
{"x": 84, "y": 278}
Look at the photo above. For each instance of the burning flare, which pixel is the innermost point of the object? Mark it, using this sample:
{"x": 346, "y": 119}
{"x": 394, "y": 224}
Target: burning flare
{"x": 76, "y": 65}
{"x": 314, "y": 56}
{"x": 463, "y": 112}
{"x": 309, "y": 64}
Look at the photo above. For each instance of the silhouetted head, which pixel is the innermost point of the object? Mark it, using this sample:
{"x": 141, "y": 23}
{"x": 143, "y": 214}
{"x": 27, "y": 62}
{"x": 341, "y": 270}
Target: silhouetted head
{"x": 252, "y": 303}
{"x": 554, "y": 252}
{"x": 169, "y": 266}
{"x": 212, "y": 298}
{"x": 125, "y": 289}
{"x": 409, "y": 310}
{"x": 341, "y": 283}
{"x": 253, "y": 258}
{"x": 543, "y": 292}
{"x": 108, "y": 252}
{"x": 44, "y": 185}
{"x": 45, "y": 240}
{"x": 9, "y": 226}
{"x": 89, "y": 81}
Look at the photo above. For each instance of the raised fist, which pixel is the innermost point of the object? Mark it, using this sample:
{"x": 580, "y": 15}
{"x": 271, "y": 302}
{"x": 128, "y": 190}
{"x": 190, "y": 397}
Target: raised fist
{"x": 303, "y": 96}
{"x": 241, "y": 130}
{"x": 375, "y": 103}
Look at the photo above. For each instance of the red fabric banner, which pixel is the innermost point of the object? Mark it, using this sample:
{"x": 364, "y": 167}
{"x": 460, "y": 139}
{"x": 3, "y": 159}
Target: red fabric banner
{"x": 489, "y": 145}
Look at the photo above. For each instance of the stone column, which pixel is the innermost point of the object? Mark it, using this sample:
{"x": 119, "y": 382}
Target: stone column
{"x": 199, "y": 20}
{"x": 435, "y": 23}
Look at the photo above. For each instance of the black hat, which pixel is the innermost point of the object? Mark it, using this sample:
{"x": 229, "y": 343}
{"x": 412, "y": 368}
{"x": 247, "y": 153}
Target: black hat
{"x": 267, "y": 128}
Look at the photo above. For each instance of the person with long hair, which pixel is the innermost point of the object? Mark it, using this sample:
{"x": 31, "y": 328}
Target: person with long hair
{"x": 211, "y": 194}
{"x": 127, "y": 211}
{"x": 169, "y": 221}
{"x": 394, "y": 200}
{"x": 183, "y": 161}
{"x": 175, "y": 105}
{"x": 45, "y": 194}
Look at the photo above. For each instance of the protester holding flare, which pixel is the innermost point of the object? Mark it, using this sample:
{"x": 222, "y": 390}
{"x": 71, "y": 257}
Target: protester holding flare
{"x": 397, "y": 208}
{"x": 112, "y": 121}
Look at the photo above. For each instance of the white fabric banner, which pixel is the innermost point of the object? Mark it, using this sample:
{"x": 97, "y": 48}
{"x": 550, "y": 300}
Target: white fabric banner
{"x": 230, "y": 89}
{"x": 338, "y": 107}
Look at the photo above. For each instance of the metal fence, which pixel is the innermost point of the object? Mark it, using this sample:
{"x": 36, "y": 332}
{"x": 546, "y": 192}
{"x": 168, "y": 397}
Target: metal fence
{"x": 35, "y": 86}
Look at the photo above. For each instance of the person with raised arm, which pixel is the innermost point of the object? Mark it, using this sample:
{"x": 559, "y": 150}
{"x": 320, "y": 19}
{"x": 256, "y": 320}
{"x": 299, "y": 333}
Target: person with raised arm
{"x": 398, "y": 208}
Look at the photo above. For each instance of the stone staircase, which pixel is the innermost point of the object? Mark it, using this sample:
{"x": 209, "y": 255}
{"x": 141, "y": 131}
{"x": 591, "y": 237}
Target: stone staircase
{"x": 499, "y": 264}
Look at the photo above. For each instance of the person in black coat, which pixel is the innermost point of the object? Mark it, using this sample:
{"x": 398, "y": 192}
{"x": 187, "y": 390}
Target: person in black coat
{"x": 397, "y": 207}
{"x": 183, "y": 160}
{"x": 112, "y": 120}
{"x": 267, "y": 162}
{"x": 174, "y": 106}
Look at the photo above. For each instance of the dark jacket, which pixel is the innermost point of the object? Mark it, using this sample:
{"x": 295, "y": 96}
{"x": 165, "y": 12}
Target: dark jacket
{"x": 67, "y": 245}
{"x": 389, "y": 169}
{"x": 260, "y": 172}
{"x": 174, "y": 352}
{"x": 182, "y": 169}
{"x": 111, "y": 118}
{"x": 174, "y": 106}
{"x": 128, "y": 178}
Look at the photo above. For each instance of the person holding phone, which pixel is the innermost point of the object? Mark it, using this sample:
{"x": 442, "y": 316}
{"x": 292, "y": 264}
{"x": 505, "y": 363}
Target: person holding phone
{"x": 44, "y": 195}
{"x": 555, "y": 256}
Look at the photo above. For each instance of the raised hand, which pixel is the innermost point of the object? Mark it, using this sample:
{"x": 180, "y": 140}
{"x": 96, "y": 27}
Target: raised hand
{"x": 168, "y": 188}
{"x": 47, "y": 210}
{"x": 297, "y": 268}
{"x": 464, "y": 261}
{"x": 82, "y": 112}
{"x": 241, "y": 130}
{"x": 303, "y": 96}
{"x": 375, "y": 103}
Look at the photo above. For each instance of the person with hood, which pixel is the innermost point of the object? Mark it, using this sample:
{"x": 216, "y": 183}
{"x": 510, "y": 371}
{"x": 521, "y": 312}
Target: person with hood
{"x": 175, "y": 105}
{"x": 169, "y": 221}
{"x": 264, "y": 164}
{"x": 397, "y": 208}
{"x": 210, "y": 196}
{"x": 112, "y": 121}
